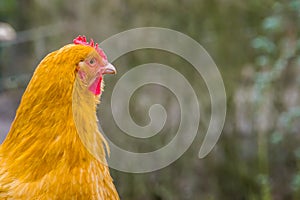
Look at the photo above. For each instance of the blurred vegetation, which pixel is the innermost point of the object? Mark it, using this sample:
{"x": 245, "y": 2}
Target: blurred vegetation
{"x": 256, "y": 46}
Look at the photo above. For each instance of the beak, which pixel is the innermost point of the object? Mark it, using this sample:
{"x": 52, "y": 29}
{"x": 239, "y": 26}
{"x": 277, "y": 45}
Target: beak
{"x": 109, "y": 69}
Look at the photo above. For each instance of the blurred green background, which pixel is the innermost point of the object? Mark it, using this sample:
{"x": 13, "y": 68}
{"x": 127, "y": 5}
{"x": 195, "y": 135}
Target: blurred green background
{"x": 255, "y": 44}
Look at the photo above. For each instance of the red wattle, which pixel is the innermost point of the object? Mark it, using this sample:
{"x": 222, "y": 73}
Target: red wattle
{"x": 96, "y": 86}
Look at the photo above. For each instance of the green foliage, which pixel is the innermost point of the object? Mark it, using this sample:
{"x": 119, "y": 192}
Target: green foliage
{"x": 264, "y": 44}
{"x": 276, "y": 52}
{"x": 288, "y": 117}
{"x": 296, "y": 182}
{"x": 272, "y": 23}
{"x": 7, "y": 10}
{"x": 276, "y": 137}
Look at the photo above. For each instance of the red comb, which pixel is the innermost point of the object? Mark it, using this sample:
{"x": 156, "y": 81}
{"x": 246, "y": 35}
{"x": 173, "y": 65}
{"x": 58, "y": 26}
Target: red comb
{"x": 82, "y": 40}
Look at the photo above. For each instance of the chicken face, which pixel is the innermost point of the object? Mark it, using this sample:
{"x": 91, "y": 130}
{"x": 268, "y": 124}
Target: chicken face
{"x": 91, "y": 72}
{"x": 92, "y": 69}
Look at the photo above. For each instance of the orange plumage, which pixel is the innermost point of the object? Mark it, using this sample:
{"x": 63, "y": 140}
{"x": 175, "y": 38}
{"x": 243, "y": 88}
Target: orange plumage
{"x": 54, "y": 149}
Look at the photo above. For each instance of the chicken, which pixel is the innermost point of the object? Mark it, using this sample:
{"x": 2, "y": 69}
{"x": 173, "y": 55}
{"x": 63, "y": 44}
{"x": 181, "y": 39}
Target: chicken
{"x": 54, "y": 149}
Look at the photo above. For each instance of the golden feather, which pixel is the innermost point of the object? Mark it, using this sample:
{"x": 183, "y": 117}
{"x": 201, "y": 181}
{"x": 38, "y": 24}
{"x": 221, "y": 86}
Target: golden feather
{"x": 54, "y": 149}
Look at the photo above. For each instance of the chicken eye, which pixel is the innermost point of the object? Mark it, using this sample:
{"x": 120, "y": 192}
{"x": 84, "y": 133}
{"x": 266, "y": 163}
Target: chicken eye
{"x": 92, "y": 61}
